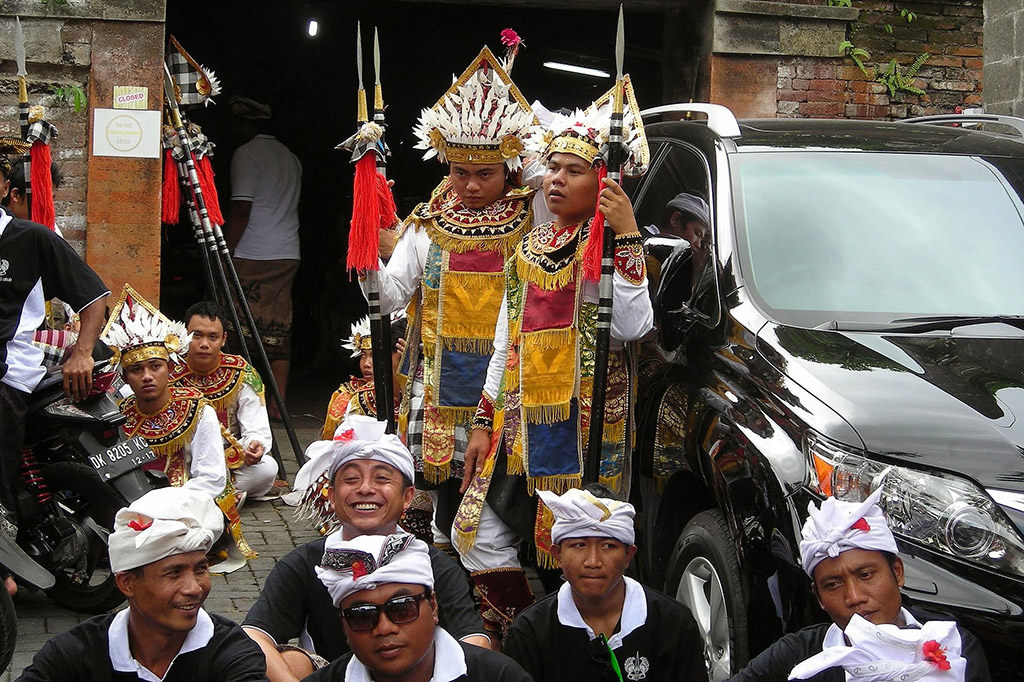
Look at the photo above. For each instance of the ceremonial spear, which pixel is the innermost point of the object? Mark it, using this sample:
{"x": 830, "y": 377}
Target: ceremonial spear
{"x": 20, "y": 57}
{"x": 373, "y": 208}
{"x": 615, "y": 157}
{"x": 210, "y": 228}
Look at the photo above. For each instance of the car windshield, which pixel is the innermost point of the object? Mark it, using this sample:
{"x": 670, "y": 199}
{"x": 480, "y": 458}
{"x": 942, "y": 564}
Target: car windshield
{"x": 876, "y": 236}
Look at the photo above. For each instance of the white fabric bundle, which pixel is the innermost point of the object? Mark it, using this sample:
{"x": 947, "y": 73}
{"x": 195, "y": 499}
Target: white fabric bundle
{"x": 578, "y": 514}
{"x": 838, "y": 526}
{"x": 886, "y": 653}
{"x": 358, "y": 437}
{"x": 162, "y": 523}
{"x": 368, "y": 561}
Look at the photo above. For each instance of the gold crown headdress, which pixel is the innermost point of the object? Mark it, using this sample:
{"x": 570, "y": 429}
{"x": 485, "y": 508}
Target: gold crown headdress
{"x": 585, "y": 133}
{"x": 482, "y": 118}
{"x": 136, "y": 331}
{"x": 360, "y": 338}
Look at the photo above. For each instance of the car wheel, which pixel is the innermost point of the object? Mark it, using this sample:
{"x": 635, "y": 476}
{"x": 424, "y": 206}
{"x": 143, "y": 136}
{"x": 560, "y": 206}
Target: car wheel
{"x": 704, "y": 574}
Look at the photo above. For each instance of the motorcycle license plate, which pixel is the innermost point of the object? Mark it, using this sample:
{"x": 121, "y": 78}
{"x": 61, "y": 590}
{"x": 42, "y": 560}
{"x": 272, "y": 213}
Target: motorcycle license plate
{"x": 122, "y": 457}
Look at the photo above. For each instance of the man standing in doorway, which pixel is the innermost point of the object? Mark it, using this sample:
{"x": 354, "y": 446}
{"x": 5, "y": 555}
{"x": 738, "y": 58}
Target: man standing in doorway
{"x": 262, "y": 231}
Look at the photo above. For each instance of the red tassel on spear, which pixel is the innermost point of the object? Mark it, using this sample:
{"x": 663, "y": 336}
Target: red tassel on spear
{"x": 42, "y": 186}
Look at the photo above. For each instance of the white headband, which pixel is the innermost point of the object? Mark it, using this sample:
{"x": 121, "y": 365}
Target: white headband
{"x": 578, "y": 514}
{"x": 884, "y": 653}
{"x": 368, "y": 561}
{"x": 162, "y": 523}
{"x": 838, "y": 526}
{"x": 358, "y": 437}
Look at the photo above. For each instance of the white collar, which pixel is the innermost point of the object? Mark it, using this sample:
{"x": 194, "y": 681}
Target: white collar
{"x": 449, "y": 661}
{"x": 120, "y": 651}
{"x": 834, "y": 635}
{"x": 634, "y": 611}
{"x": 5, "y": 218}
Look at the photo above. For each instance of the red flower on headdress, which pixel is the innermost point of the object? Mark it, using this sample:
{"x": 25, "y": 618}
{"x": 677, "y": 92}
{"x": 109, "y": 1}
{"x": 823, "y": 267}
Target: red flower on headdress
{"x": 862, "y": 524}
{"x": 139, "y": 525}
{"x": 509, "y": 38}
{"x": 359, "y": 570}
{"x": 934, "y": 653}
{"x": 345, "y": 436}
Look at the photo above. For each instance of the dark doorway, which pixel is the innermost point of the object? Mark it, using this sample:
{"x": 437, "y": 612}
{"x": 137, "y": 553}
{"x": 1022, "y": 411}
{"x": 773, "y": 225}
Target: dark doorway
{"x": 261, "y": 50}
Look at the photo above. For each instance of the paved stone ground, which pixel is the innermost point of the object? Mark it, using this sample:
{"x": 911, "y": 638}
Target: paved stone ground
{"x": 270, "y": 527}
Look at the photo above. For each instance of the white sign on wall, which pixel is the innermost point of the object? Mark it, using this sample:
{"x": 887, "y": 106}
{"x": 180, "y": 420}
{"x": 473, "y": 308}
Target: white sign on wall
{"x": 124, "y": 132}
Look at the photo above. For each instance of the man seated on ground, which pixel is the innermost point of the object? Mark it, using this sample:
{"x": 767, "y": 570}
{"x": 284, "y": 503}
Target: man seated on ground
{"x": 178, "y": 423}
{"x": 360, "y": 482}
{"x": 158, "y": 557}
{"x": 383, "y": 586}
{"x": 602, "y": 625}
{"x": 235, "y": 391}
{"x": 851, "y": 557}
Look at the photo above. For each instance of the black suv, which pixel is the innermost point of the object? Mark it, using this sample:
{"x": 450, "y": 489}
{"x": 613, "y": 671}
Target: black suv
{"x": 853, "y": 318}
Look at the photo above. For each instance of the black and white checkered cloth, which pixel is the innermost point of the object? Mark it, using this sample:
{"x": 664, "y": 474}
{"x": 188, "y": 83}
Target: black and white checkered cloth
{"x": 185, "y": 77}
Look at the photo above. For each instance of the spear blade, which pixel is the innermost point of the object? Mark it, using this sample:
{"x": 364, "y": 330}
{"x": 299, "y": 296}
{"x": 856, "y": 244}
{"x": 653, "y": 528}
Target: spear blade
{"x": 359, "y": 54}
{"x": 19, "y": 47}
{"x": 620, "y": 46}
{"x": 376, "y": 58}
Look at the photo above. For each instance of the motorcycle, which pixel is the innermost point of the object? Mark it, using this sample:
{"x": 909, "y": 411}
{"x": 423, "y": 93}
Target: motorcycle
{"x": 78, "y": 468}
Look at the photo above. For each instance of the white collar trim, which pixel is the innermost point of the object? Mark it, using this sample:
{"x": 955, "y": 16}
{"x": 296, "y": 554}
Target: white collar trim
{"x": 5, "y": 218}
{"x": 120, "y": 650}
{"x": 634, "y": 611}
{"x": 834, "y": 635}
{"x": 449, "y": 661}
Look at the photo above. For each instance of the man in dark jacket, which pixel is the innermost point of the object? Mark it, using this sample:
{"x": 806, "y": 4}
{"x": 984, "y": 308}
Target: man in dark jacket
{"x": 158, "y": 557}
{"x": 851, "y": 556}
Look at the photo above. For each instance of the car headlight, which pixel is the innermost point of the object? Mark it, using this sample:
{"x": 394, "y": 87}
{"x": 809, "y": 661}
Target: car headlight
{"x": 941, "y": 511}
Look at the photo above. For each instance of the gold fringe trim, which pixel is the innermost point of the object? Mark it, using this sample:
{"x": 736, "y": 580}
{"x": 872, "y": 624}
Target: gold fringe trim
{"x": 550, "y": 338}
{"x": 169, "y": 448}
{"x": 403, "y": 422}
{"x": 615, "y": 432}
{"x": 457, "y": 244}
{"x": 437, "y": 473}
{"x": 613, "y": 483}
{"x": 559, "y": 484}
{"x": 547, "y": 414}
{"x": 514, "y": 462}
{"x": 546, "y": 559}
{"x": 225, "y": 400}
{"x": 549, "y": 281}
{"x": 461, "y": 345}
{"x": 450, "y": 417}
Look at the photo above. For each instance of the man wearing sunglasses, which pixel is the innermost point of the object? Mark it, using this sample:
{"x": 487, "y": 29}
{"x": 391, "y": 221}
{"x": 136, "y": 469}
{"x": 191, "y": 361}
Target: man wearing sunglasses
{"x": 359, "y": 483}
{"x": 601, "y": 625}
{"x": 383, "y": 586}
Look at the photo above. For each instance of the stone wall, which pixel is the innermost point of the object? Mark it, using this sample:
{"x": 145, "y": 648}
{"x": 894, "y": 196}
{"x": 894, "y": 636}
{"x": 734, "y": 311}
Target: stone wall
{"x": 807, "y": 78}
{"x": 108, "y": 207}
{"x": 1004, "y": 57}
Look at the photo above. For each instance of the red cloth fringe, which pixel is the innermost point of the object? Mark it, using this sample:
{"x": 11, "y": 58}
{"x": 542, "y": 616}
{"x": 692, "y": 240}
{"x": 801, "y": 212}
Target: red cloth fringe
{"x": 42, "y": 186}
{"x": 205, "y": 172}
{"x": 170, "y": 196}
{"x": 373, "y": 208}
{"x": 595, "y": 242}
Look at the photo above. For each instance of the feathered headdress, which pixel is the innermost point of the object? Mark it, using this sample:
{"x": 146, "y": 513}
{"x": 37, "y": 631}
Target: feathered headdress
{"x": 136, "y": 331}
{"x": 360, "y": 338}
{"x": 482, "y": 118}
{"x": 585, "y": 133}
{"x": 193, "y": 83}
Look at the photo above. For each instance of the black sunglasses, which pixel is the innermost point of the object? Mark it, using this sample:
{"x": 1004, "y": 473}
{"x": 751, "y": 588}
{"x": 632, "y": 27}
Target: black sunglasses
{"x": 400, "y": 610}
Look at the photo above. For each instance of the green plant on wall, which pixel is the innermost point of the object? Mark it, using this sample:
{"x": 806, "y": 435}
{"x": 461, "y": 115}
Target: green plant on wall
{"x": 70, "y": 94}
{"x": 892, "y": 78}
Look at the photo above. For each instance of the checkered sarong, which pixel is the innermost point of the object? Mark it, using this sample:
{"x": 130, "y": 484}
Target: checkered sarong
{"x": 414, "y": 433}
{"x": 56, "y": 346}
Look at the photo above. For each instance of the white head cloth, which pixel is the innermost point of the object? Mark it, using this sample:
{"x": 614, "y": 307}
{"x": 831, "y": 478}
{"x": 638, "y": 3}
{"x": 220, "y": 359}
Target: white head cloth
{"x": 369, "y": 561}
{"x": 578, "y": 514}
{"x": 162, "y": 523}
{"x": 838, "y": 526}
{"x": 358, "y": 437}
{"x": 886, "y": 653}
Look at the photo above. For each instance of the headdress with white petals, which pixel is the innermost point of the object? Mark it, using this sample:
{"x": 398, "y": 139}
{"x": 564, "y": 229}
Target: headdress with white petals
{"x": 481, "y": 119}
{"x": 360, "y": 338}
{"x": 585, "y": 133}
{"x": 136, "y": 331}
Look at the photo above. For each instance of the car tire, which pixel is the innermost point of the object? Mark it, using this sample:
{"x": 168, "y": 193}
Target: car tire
{"x": 704, "y": 574}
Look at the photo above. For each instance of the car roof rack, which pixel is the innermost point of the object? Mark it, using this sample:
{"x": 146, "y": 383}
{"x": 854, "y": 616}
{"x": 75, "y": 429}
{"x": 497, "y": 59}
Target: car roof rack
{"x": 1014, "y": 122}
{"x": 720, "y": 118}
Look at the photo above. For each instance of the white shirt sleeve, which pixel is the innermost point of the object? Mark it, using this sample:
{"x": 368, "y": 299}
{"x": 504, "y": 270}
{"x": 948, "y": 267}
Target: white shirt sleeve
{"x": 207, "y": 469}
{"x": 399, "y": 279}
{"x": 245, "y": 173}
{"x": 632, "y": 313}
{"x": 253, "y": 422}
{"x": 496, "y": 365}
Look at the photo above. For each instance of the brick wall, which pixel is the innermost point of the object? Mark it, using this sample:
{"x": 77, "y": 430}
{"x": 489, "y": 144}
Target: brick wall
{"x": 948, "y": 30}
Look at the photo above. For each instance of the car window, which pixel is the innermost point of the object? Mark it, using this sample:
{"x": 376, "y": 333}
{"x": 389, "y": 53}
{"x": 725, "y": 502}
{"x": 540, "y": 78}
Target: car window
{"x": 876, "y": 236}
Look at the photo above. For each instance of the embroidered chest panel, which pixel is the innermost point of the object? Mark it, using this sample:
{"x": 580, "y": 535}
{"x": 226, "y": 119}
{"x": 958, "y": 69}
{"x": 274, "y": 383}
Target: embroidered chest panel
{"x": 169, "y": 429}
